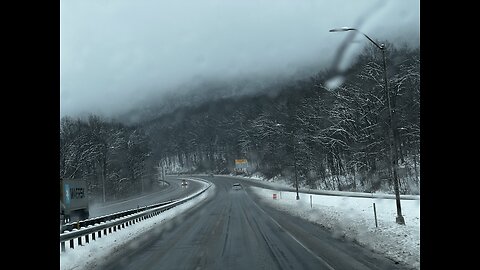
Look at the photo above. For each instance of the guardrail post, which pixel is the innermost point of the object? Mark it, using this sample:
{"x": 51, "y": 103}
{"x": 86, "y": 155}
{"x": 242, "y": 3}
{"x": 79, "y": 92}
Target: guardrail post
{"x": 87, "y": 239}
{"x": 71, "y": 243}
{"x": 62, "y": 246}
{"x": 80, "y": 241}
{"x": 93, "y": 236}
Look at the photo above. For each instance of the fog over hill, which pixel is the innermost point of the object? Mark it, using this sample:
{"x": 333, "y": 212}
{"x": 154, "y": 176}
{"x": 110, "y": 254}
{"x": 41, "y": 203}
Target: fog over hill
{"x": 133, "y": 58}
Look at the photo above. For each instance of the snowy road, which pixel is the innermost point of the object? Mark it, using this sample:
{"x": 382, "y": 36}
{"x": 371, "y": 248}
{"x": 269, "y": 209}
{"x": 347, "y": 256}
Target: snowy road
{"x": 171, "y": 192}
{"x": 232, "y": 230}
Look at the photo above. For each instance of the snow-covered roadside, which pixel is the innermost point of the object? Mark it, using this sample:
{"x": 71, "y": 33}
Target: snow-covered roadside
{"x": 353, "y": 218}
{"x": 281, "y": 183}
{"x": 92, "y": 255}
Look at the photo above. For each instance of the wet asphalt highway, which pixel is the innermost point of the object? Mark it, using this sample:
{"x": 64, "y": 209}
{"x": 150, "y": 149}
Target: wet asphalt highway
{"x": 232, "y": 230}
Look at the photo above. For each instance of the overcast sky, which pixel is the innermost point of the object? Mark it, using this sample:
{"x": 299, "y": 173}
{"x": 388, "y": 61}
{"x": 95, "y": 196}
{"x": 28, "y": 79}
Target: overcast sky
{"x": 117, "y": 54}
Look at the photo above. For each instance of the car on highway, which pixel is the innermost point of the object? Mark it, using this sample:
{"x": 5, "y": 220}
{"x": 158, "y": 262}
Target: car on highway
{"x": 237, "y": 186}
{"x": 184, "y": 183}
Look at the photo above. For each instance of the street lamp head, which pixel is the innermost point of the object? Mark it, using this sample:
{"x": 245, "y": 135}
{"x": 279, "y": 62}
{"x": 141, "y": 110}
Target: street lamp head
{"x": 342, "y": 29}
{"x": 345, "y": 29}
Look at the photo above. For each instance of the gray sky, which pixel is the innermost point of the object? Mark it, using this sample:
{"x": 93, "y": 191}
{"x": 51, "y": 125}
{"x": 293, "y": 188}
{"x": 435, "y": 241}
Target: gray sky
{"x": 115, "y": 55}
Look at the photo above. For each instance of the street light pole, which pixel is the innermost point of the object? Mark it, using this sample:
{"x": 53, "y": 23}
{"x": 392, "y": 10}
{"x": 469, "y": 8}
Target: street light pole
{"x": 393, "y": 148}
{"x": 391, "y": 131}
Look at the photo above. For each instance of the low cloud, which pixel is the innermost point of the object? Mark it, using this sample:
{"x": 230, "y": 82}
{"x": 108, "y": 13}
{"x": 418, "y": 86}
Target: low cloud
{"x": 117, "y": 55}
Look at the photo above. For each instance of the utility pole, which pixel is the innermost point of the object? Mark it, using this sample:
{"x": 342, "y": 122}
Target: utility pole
{"x": 295, "y": 167}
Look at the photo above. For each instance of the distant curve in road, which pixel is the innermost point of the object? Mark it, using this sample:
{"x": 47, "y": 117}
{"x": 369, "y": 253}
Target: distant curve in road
{"x": 173, "y": 192}
{"x": 231, "y": 230}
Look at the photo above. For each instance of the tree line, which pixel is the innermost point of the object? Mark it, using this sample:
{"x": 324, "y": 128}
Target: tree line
{"x": 324, "y": 138}
{"x": 113, "y": 158}
{"x": 331, "y": 139}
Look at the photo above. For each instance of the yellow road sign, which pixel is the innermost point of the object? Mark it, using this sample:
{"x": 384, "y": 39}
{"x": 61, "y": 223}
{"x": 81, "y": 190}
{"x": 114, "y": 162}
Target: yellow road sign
{"x": 240, "y": 161}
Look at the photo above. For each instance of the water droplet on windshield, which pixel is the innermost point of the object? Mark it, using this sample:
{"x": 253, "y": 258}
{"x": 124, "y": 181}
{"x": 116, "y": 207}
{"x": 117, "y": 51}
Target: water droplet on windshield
{"x": 334, "y": 82}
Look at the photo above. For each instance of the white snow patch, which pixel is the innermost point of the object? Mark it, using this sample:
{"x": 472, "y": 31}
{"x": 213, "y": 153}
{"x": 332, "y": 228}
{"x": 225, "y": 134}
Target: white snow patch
{"x": 353, "y": 218}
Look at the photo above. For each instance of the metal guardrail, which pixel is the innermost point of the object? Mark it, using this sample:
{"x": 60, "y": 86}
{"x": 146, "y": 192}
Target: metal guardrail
{"x": 112, "y": 223}
{"x": 92, "y": 221}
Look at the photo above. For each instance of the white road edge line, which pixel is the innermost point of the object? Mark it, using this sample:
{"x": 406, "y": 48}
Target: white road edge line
{"x": 293, "y": 237}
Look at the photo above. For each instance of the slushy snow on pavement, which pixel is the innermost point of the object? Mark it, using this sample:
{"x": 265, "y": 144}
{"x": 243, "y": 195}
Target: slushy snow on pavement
{"x": 349, "y": 217}
{"x": 354, "y": 219}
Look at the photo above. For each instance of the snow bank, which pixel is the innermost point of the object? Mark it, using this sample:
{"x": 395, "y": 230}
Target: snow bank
{"x": 353, "y": 218}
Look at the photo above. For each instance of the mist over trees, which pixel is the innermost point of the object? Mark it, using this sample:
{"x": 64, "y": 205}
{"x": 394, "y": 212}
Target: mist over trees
{"x": 106, "y": 154}
{"x": 330, "y": 139}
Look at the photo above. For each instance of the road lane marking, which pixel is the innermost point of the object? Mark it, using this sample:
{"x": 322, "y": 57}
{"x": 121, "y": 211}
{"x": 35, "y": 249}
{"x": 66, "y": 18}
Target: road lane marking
{"x": 293, "y": 237}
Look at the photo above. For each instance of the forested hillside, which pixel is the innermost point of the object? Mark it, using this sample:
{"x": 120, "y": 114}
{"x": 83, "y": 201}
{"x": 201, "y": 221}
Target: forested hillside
{"x": 331, "y": 139}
